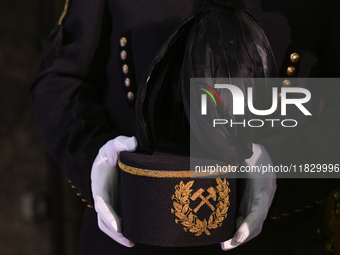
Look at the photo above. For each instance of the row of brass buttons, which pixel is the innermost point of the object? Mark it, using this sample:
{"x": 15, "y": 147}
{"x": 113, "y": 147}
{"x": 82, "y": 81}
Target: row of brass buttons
{"x": 285, "y": 214}
{"x": 291, "y": 70}
{"x": 125, "y": 68}
{"x": 294, "y": 58}
{"x": 80, "y": 195}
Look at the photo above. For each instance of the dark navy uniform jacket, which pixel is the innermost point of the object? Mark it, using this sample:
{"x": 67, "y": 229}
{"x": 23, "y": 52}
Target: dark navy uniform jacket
{"x": 82, "y": 96}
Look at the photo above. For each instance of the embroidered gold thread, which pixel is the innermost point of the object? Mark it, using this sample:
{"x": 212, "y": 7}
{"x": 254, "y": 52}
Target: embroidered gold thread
{"x": 163, "y": 173}
{"x": 63, "y": 15}
{"x": 184, "y": 214}
{"x": 205, "y": 200}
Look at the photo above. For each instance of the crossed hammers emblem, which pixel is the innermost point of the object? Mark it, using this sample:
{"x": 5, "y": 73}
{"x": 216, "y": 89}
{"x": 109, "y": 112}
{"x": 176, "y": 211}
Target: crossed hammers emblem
{"x": 205, "y": 200}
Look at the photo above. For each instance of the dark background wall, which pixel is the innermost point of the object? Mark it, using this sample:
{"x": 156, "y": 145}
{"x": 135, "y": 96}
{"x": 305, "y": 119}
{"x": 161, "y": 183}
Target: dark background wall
{"x": 39, "y": 213}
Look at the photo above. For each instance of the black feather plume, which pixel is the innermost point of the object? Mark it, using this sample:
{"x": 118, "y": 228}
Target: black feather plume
{"x": 220, "y": 5}
{"x": 222, "y": 41}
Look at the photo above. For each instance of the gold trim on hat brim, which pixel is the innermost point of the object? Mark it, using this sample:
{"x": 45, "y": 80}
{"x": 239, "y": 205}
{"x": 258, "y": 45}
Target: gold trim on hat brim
{"x": 168, "y": 174}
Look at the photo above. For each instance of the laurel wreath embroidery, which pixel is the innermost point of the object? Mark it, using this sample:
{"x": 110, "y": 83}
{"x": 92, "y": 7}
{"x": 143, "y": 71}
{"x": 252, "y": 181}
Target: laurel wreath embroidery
{"x": 185, "y": 215}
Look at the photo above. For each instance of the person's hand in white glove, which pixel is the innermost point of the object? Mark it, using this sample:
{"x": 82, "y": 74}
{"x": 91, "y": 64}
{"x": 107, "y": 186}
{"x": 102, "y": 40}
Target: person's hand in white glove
{"x": 104, "y": 178}
{"x": 256, "y": 200}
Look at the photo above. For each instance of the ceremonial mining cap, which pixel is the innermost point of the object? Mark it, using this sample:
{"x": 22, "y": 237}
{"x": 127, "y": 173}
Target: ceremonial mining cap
{"x": 160, "y": 203}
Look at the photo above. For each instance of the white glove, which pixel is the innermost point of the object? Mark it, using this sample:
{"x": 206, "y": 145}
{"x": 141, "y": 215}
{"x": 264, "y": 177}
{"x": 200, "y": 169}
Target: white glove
{"x": 104, "y": 178}
{"x": 256, "y": 200}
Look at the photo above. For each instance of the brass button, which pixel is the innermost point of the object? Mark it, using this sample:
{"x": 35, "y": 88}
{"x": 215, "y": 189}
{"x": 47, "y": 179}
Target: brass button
{"x": 286, "y": 83}
{"x": 285, "y": 214}
{"x": 125, "y": 69}
{"x": 73, "y": 187}
{"x": 130, "y": 96}
{"x": 298, "y": 210}
{"x": 337, "y": 195}
{"x": 123, "y": 54}
{"x": 127, "y": 82}
{"x": 79, "y": 194}
{"x": 69, "y": 181}
{"x": 84, "y": 200}
{"x": 275, "y": 217}
{"x": 295, "y": 58}
{"x": 291, "y": 71}
{"x": 90, "y": 206}
{"x": 122, "y": 42}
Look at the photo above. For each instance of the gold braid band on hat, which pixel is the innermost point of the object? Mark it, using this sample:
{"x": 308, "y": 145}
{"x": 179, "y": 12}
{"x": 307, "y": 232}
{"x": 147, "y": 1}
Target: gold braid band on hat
{"x": 168, "y": 174}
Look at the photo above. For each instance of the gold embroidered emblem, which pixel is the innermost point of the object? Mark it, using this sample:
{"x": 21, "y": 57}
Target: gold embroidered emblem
{"x": 187, "y": 216}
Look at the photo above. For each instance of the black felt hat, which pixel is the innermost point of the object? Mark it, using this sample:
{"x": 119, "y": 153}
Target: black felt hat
{"x": 161, "y": 204}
